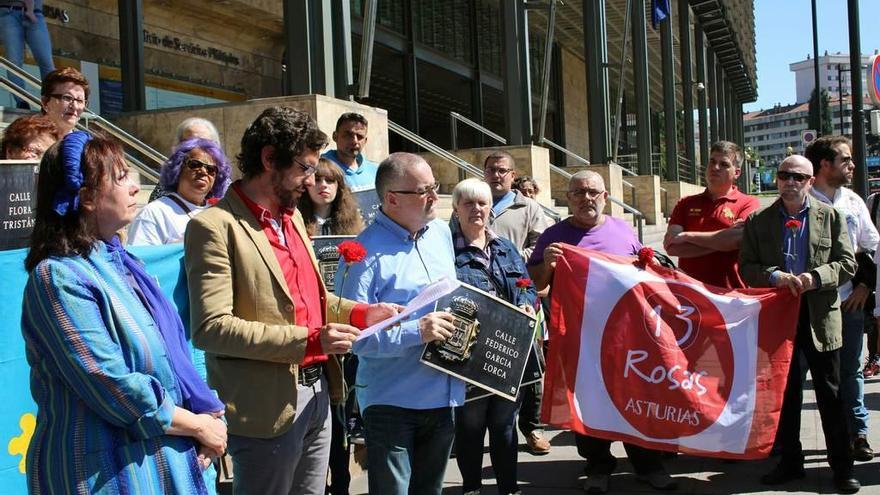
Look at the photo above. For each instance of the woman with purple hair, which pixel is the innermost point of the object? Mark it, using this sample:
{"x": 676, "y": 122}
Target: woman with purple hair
{"x": 196, "y": 173}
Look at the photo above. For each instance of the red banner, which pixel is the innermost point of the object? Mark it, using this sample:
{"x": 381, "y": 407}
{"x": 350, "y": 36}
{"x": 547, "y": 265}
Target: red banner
{"x": 653, "y": 357}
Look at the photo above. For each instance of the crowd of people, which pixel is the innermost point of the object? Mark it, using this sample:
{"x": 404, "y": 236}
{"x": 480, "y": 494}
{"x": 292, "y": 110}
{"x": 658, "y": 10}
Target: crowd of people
{"x": 278, "y": 380}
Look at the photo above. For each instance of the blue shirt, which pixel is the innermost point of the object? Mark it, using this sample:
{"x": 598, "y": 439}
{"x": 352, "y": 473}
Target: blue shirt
{"x": 503, "y": 202}
{"x": 794, "y": 242}
{"x": 396, "y": 269}
{"x": 359, "y": 179}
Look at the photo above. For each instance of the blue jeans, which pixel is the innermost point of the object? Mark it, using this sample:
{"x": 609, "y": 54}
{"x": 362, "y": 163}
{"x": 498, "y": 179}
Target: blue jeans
{"x": 498, "y": 415}
{"x": 407, "y": 449}
{"x": 852, "y": 382}
{"x": 16, "y": 30}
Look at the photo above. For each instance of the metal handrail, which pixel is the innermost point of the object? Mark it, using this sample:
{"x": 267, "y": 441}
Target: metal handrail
{"x": 455, "y": 117}
{"x": 142, "y": 168}
{"x": 433, "y": 148}
{"x": 458, "y": 162}
{"x": 101, "y": 122}
{"x": 565, "y": 150}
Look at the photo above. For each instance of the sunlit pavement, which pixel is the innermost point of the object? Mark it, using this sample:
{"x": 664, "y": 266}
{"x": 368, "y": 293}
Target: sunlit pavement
{"x": 561, "y": 471}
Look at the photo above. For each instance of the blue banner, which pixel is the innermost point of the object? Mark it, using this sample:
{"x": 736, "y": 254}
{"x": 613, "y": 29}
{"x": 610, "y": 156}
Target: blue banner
{"x": 18, "y": 414}
{"x": 659, "y": 11}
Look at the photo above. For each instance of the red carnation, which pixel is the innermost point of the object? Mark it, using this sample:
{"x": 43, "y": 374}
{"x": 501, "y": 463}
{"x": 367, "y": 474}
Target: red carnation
{"x": 794, "y": 225}
{"x": 523, "y": 283}
{"x": 351, "y": 251}
{"x": 646, "y": 256}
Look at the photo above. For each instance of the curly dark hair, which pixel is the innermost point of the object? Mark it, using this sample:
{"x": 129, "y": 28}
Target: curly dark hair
{"x": 345, "y": 217}
{"x": 23, "y": 130}
{"x": 823, "y": 149}
{"x": 56, "y": 235}
{"x": 289, "y": 131}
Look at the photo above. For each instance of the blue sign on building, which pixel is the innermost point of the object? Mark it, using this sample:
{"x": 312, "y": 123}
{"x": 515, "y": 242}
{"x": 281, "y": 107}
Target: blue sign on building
{"x": 872, "y": 161}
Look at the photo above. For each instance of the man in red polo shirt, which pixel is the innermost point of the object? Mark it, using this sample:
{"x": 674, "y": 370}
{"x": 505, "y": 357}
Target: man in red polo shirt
{"x": 705, "y": 229}
{"x": 261, "y": 312}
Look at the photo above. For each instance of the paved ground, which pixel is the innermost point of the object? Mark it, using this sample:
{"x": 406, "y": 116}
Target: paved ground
{"x": 560, "y": 472}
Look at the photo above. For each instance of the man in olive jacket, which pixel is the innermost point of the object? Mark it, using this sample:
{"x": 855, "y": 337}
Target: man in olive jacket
{"x": 260, "y": 311}
{"x": 802, "y": 245}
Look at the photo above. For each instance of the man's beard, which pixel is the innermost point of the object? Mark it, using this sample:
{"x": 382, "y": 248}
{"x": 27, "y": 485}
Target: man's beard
{"x": 287, "y": 198}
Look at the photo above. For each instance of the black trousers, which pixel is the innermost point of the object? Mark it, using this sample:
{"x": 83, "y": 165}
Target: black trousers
{"x": 825, "y": 369}
{"x": 597, "y": 452}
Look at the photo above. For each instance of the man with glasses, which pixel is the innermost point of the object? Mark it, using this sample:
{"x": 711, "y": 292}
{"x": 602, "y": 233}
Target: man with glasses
{"x": 260, "y": 311}
{"x": 514, "y": 216}
{"x": 705, "y": 230}
{"x": 831, "y": 157}
{"x": 801, "y": 244}
{"x": 407, "y": 407}
{"x": 589, "y": 228}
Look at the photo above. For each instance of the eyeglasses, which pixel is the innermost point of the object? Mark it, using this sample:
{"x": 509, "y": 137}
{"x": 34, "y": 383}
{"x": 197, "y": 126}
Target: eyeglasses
{"x": 67, "y": 99}
{"x": 428, "y": 190}
{"x": 498, "y": 170}
{"x": 306, "y": 168}
{"x": 194, "y": 165}
{"x": 784, "y": 176}
{"x": 586, "y": 193}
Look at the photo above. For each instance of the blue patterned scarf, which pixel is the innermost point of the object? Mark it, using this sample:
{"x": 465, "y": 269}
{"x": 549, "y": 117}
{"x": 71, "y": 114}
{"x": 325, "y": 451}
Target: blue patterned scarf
{"x": 197, "y": 397}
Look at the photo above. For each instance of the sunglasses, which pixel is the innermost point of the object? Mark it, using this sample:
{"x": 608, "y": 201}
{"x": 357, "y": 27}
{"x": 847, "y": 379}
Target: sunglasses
{"x": 783, "y": 176}
{"x": 194, "y": 165}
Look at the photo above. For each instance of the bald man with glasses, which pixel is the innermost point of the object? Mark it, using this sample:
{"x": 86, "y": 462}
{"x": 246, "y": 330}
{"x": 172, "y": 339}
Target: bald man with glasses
{"x": 801, "y": 244}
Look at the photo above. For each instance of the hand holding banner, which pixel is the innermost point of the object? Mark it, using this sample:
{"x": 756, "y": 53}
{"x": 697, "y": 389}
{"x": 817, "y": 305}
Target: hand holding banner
{"x": 655, "y": 358}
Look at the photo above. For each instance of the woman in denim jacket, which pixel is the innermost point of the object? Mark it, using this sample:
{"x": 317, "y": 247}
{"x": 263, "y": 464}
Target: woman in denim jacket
{"x": 492, "y": 264}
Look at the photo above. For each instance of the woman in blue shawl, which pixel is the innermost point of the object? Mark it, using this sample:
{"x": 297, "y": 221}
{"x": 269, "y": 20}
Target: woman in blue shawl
{"x": 120, "y": 407}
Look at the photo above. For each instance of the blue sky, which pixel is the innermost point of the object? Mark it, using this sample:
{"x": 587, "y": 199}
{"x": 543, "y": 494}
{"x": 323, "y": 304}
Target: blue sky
{"x": 784, "y": 35}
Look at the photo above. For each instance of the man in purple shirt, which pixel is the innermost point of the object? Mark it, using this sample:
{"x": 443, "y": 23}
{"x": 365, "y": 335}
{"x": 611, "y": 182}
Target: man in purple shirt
{"x": 588, "y": 227}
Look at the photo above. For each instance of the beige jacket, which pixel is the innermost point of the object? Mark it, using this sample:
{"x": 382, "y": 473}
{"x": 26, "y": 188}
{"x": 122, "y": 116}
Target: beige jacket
{"x": 242, "y": 315}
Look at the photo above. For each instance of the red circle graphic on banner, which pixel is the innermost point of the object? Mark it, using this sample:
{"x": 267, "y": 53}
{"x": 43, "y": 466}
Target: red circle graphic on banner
{"x": 667, "y": 360}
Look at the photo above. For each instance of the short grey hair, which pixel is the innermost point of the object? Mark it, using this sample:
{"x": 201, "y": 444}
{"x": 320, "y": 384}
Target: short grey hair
{"x": 472, "y": 188}
{"x": 194, "y": 121}
{"x": 394, "y": 168}
{"x": 586, "y": 175}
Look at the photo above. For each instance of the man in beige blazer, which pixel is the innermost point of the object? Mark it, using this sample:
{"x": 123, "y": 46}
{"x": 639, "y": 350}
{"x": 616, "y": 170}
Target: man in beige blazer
{"x": 260, "y": 311}
{"x": 801, "y": 244}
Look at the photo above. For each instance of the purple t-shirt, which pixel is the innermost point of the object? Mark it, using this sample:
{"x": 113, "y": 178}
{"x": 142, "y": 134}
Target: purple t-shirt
{"x": 614, "y": 236}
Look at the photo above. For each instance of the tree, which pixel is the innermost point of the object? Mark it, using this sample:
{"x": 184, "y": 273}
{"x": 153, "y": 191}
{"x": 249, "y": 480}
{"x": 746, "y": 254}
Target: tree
{"x": 826, "y": 126}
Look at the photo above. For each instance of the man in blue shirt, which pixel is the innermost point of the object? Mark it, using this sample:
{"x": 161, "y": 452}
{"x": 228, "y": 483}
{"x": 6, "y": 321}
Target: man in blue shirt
{"x": 802, "y": 245}
{"x": 350, "y": 137}
{"x": 407, "y": 406}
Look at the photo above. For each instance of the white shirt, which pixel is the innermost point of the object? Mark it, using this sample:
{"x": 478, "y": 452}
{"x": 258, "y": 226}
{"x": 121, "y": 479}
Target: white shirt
{"x": 162, "y": 221}
{"x": 862, "y": 234}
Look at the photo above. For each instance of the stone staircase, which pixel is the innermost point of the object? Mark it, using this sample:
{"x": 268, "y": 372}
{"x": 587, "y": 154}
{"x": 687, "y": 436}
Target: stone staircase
{"x": 648, "y": 194}
{"x": 444, "y": 208}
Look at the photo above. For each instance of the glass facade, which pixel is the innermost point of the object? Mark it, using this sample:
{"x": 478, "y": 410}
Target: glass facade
{"x": 467, "y": 34}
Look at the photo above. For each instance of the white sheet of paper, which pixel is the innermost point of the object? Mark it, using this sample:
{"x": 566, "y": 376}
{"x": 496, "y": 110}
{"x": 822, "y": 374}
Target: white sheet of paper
{"x": 428, "y": 295}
